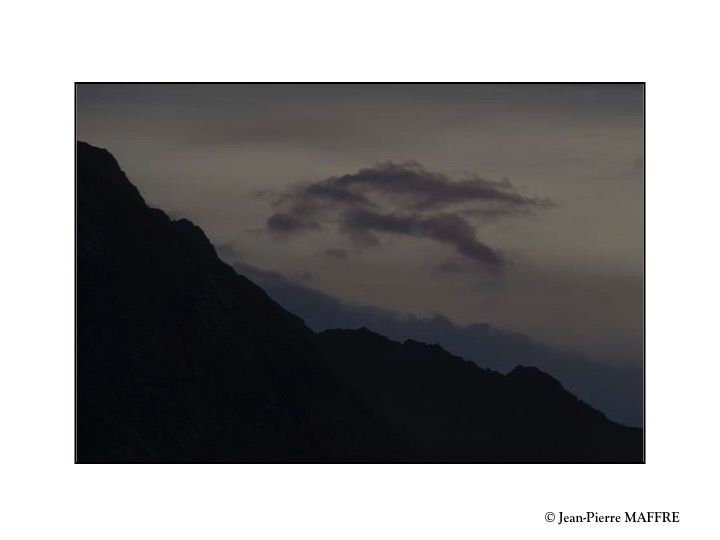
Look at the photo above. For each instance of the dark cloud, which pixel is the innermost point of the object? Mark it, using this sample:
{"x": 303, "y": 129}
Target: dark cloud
{"x": 282, "y": 223}
{"x": 419, "y": 188}
{"x": 403, "y": 199}
{"x": 446, "y": 228}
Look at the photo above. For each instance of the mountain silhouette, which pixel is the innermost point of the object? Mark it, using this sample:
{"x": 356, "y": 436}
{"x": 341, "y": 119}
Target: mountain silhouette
{"x": 181, "y": 359}
{"x": 454, "y": 411}
{"x": 616, "y": 390}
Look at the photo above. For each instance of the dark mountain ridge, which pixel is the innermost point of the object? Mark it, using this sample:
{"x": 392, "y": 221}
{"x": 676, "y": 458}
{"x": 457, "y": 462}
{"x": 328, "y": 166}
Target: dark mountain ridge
{"x": 180, "y": 359}
{"x": 452, "y": 409}
{"x": 615, "y": 389}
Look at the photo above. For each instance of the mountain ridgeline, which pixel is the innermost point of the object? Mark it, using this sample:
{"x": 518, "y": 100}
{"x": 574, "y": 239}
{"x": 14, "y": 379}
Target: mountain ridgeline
{"x": 182, "y": 360}
{"x": 615, "y": 389}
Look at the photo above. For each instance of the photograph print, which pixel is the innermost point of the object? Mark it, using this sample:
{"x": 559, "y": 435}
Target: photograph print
{"x": 359, "y": 273}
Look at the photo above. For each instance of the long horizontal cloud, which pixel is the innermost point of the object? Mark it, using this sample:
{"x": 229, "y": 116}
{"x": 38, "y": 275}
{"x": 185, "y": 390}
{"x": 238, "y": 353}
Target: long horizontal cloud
{"x": 423, "y": 189}
{"x": 404, "y": 199}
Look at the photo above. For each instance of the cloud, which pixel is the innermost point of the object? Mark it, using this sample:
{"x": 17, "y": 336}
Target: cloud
{"x": 446, "y": 228}
{"x": 282, "y": 223}
{"x": 403, "y": 199}
{"x": 416, "y": 187}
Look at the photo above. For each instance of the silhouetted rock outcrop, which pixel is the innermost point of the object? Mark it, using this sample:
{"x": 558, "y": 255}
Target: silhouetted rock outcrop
{"x": 180, "y": 359}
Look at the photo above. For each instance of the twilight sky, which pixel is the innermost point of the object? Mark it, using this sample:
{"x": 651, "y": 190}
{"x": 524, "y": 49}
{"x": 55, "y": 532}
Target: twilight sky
{"x": 516, "y": 205}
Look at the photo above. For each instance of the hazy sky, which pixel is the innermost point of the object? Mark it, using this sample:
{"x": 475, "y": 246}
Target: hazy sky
{"x": 517, "y": 205}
